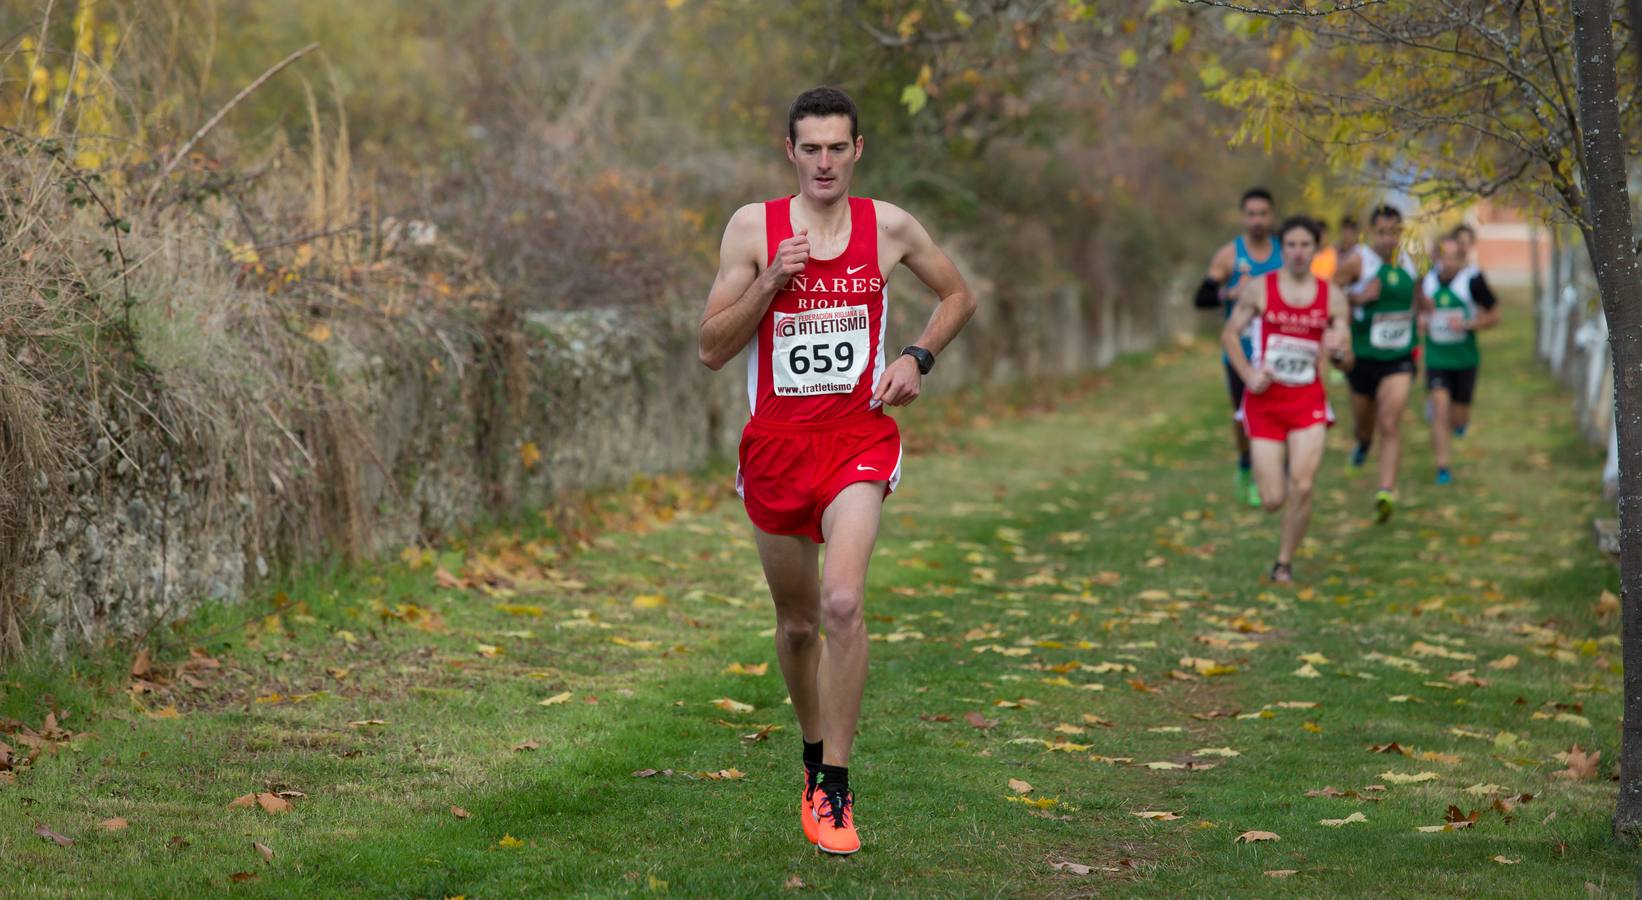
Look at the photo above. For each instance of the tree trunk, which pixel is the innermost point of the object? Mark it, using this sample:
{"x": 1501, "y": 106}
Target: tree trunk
{"x": 1608, "y": 241}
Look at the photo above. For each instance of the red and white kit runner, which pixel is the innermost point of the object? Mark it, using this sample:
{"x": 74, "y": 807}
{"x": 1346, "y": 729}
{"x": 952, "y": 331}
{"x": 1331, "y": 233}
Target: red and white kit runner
{"x": 811, "y": 371}
{"x": 1288, "y": 344}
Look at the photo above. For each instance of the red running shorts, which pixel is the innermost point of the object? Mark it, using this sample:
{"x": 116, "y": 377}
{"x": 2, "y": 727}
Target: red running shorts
{"x": 788, "y": 474}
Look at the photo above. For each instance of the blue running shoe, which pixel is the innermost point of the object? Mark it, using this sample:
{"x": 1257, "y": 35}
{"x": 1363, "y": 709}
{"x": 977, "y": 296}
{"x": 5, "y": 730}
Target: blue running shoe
{"x": 1444, "y": 477}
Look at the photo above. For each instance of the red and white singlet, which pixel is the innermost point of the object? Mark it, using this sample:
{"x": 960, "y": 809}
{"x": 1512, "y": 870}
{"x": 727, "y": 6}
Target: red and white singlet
{"x": 1289, "y": 345}
{"x": 812, "y": 367}
{"x": 819, "y": 351}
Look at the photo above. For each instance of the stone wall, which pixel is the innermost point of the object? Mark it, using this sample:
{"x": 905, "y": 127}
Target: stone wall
{"x": 428, "y": 431}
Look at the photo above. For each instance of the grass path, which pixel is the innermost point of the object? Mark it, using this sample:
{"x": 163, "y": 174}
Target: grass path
{"x": 1077, "y": 575}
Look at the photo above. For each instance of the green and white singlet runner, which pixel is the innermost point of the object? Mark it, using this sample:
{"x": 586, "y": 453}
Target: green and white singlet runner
{"x": 1384, "y": 329}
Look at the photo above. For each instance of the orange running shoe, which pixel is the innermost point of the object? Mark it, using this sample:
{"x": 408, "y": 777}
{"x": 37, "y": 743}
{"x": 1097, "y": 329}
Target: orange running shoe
{"x": 835, "y": 818}
{"x": 806, "y": 808}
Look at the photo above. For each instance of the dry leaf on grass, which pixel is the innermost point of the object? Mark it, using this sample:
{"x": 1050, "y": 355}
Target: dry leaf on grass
{"x": 459, "y": 812}
{"x": 1582, "y": 766}
{"x": 1281, "y": 873}
{"x": 266, "y": 851}
{"x": 114, "y": 824}
{"x": 58, "y": 839}
{"x": 1250, "y": 837}
{"x": 735, "y": 706}
{"x": 1019, "y": 786}
{"x": 979, "y": 721}
{"x": 557, "y": 699}
{"x": 1336, "y": 823}
{"x": 1157, "y": 815}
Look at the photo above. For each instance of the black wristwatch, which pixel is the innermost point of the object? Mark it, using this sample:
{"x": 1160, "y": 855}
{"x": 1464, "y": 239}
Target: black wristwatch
{"x": 926, "y": 359}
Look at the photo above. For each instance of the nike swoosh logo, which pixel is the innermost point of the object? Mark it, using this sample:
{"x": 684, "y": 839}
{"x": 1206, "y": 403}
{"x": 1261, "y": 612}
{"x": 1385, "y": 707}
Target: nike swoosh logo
{"x": 861, "y": 468}
{"x": 856, "y": 269}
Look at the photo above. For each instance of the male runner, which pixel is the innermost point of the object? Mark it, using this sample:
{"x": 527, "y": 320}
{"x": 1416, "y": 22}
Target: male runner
{"x": 1253, "y": 253}
{"x": 1385, "y": 296}
{"x": 801, "y": 284}
{"x": 1285, "y": 408}
{"x": 1462, "y": 305}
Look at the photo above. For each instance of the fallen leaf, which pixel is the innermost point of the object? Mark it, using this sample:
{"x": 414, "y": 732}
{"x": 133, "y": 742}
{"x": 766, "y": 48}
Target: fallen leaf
{"x": 1250, "y": 837}
{"x": 1157, "y": 815}
{"x": 1581, "y": 766}
{"x": 489, "y": 650}
{"x": 1509, "y": 661}
{"x": 529, "y": 454}
{"x": 509, "y": 842}
{"x": 459, "y": 812}
{"x": 367, "y": 723}
{"x": 1074, "y": 868}
{"x": 1449, "y": 826}
{"x": 1019, "y": 786}
{"x": 793, "y": 883}
{"x": 1606, "y": 605}
{"x": 1483, "y": 790}
{"x": 1281, "y": 873}
{"x": 979, "y": 721}
{"x": 243, "y": 801}
{"x": 142, "y": 666}
{"x": 1336, "y": 823}
{"x": 724, "y": 775}
{"x": 1505, "y": 860}
{"x": 114, "y": 824}
{"x": 252, "y": 876}
{"x": 645, "y": 773}
{"x": 649, "y": 601}
{"x": 1400, "y": 778}
{"x": 1164, "y": 765}
{"x": 46, "y": 832}
{"x": 1327, "y": 791}
{"x": 739, "y": 669}
{"x": 1067, "y": 728}
{"x": 273, "y": 804}
{"x": 266, "y": 851}
{"x": 1225, "y": 752}
{"x": 166, "y": 712}
{"x": 557, "y": 699}
{"x": 735, "y": 706}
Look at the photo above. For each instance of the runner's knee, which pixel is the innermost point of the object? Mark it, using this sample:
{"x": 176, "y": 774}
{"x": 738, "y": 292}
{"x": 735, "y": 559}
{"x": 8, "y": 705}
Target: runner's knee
{"x": 843, "y": 607}
{"x": 1271, "y": 501}
{"x": 1300, "y": 488}
{"x": 797, "y": 631}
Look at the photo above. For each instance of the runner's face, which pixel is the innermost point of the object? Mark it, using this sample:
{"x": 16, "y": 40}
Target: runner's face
{"x": 1257, "y": 218}
{"x": 1385, "y": 234}
{"x": 1466, "y": 242}
{"x": 825, "y": 156}
{"x": 1298, "y": 249}
{"x": 1349, "y": 236}
{"x": 1450, "y": 257}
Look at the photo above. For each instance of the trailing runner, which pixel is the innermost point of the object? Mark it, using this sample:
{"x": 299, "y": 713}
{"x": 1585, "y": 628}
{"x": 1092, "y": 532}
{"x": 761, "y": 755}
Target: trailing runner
{"x": 1250, "y": 255}
{"x": 1285, "y": 409}
{"x": 801, "y": 284}
{"x": 1462, "y": 305}
{"x": 1385, "y": 297}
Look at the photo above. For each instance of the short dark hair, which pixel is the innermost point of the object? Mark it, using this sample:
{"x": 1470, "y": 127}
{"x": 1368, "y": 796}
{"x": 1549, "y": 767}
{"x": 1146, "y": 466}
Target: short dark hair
{"x": 1256, "y": 193}
{"x": 1348, "y": 222}
{"x": 1463, "y": 228}
{"x": 821, "y": 102}
{"x": 1451, "y": 237}
{"x": 1305, "y": 222}
{"x": 1384, "y": 211}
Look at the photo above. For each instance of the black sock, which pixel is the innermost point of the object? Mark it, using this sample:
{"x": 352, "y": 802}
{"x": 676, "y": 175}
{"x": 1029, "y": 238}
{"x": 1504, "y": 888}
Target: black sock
{"x": 835, "y": 778}
{"x": 1243, "y": 461}
{"x": 812, "y": 759}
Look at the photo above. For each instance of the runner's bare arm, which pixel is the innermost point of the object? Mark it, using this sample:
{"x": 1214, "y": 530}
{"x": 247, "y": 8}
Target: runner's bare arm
{"x": 909, "y": 243}
{"x": 1337, "y": 340}
{"x": 742, "y": 291}
{"x": 1220, "y": 265}
{"x": 1211, "y": 294}
{"x": 1486, "y": 318}
{"x": 1248, "y": 306}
